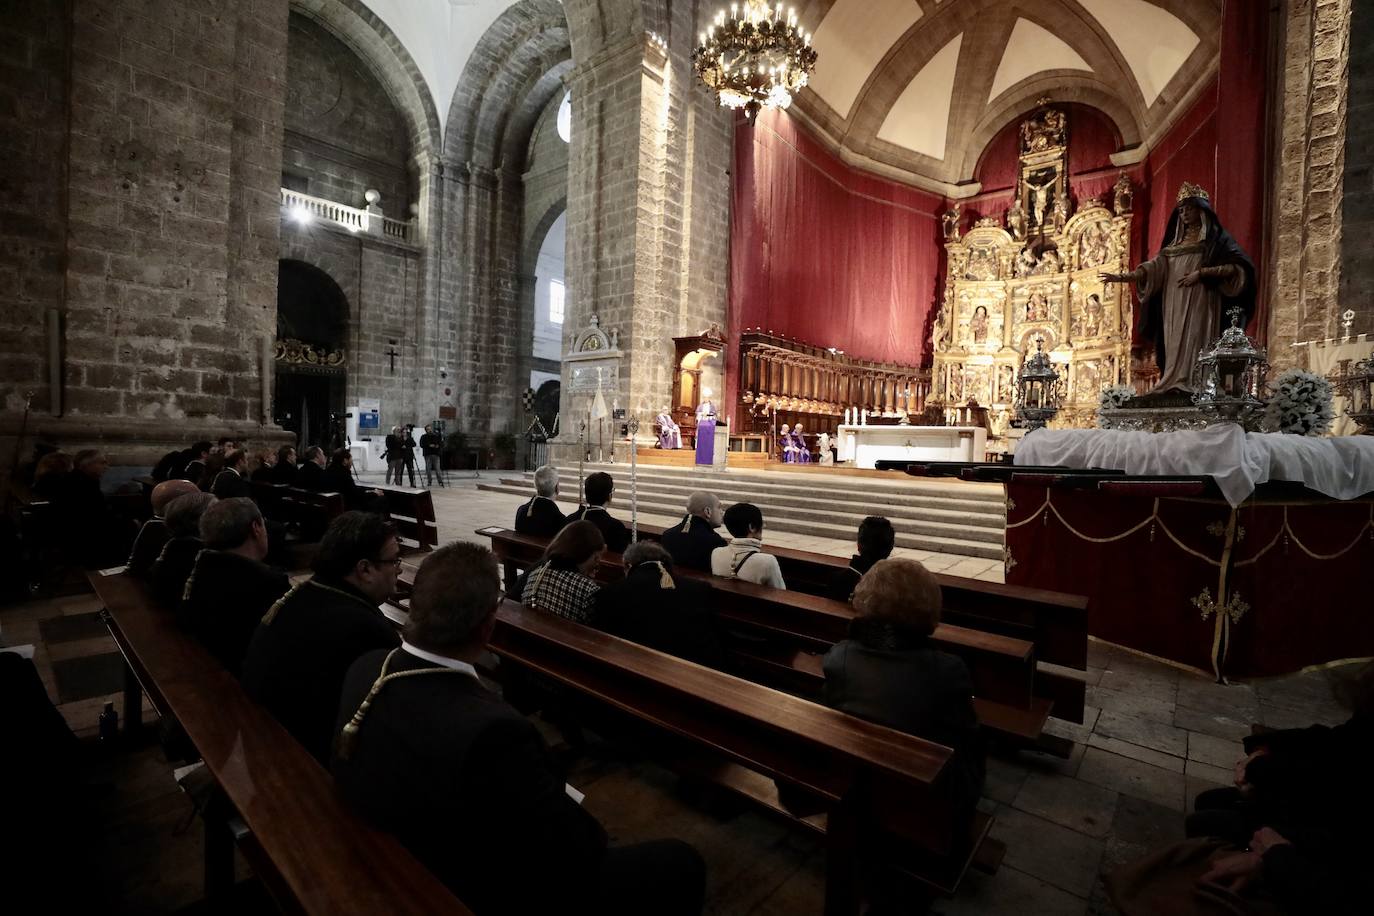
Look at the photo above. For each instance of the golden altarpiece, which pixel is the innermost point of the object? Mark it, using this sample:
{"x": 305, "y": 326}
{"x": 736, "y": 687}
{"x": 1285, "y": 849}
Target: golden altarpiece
{"x": 1033, "y": 275}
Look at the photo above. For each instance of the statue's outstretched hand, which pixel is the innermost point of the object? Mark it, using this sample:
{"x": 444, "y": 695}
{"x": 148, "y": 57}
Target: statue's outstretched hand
{"x": 1190, "y": 279}
{"x": 1106, "y": 277}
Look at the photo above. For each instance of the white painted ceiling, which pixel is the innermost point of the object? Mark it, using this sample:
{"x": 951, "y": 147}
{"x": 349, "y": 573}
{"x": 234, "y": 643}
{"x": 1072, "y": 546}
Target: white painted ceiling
{"x": 440, "y": 35}
{"x": 907, "y": 83}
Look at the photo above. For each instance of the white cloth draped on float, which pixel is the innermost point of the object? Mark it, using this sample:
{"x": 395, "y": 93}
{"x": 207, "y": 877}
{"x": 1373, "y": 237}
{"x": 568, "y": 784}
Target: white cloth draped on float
{"x": 1342, "y": 468}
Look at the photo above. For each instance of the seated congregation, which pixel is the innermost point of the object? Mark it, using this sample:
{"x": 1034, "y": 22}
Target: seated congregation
{"x": 424, "y": 731}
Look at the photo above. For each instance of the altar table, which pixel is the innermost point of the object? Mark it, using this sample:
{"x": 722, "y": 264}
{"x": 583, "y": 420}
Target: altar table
{"x": 867, "y": 445}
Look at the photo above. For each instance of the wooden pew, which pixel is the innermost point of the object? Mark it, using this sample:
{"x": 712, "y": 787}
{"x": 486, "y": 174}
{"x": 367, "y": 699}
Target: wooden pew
{"x": 1056, "y": 622}
{"x": 802, "y": 627}
{"x": 412, "y": 511}
{"x": 744, "y": 736}
{"x": 310, "y": 511}
{"x": 312, "y": 854}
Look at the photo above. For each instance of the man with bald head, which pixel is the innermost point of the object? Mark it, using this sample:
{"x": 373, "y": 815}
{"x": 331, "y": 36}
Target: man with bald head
{"x": 153, "y": 535}
{"x": 692, "y": 541}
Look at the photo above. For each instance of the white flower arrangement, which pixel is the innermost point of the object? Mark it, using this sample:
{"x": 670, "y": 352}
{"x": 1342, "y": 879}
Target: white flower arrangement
{"x": 1113, "y": 397}
{"x": 1300, "y": 404}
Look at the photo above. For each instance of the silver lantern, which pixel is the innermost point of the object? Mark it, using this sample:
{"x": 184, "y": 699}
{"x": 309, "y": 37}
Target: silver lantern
{"x": 1039, "y": 390}
{"x": 1229, "y": 378}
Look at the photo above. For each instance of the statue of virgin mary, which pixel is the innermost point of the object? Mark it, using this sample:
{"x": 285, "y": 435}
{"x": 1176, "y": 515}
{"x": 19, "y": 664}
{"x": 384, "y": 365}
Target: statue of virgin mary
{"x": 1199, "y": 274}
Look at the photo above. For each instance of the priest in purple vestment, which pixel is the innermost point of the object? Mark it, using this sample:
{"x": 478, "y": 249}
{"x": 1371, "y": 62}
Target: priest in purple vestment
{"x": 669, "y": 433}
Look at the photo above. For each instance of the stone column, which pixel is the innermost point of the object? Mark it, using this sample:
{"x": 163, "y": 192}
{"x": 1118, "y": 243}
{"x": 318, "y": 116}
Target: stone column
{"x": 1307, "y": 210}
{"x": 648, "y": 196}
{"x": 173, "y": 173}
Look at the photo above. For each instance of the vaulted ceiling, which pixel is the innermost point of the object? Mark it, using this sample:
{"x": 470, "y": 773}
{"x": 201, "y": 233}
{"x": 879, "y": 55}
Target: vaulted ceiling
{"x": 916, "y": 88}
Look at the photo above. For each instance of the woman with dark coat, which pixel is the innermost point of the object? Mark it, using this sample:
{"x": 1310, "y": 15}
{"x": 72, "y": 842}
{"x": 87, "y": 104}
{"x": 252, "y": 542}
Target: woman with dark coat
{"x": 654, "y": 608}
{"x": 888, "y": 671}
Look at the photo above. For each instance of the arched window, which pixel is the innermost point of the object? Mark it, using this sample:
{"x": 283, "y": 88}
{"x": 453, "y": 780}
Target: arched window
{"x": 565, "y": 118}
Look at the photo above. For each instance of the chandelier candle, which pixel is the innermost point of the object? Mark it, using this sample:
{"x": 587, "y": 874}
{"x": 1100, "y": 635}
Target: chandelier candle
{"x": 755, "y": 57}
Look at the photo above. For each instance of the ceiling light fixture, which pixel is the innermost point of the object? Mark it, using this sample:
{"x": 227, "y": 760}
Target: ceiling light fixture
{"x": 755, "y": 57}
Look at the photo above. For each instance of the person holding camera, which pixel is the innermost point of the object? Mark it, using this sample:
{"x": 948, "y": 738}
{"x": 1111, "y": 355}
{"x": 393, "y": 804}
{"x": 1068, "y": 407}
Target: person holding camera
{"x": 430, "y": 445}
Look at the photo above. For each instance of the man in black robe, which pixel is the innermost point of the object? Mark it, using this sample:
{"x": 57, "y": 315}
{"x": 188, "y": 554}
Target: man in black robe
{"x": 691, "y": 542}
{"x": 298, "y": 657}
{"x": 231, "y": 482}
{"x": 173, "y": 565}
{"x": 654, "y": 608}
{"x": 230, "y": 587}
{"x": 875, "y": 541}
{"x": 428, "y": 753}
{"x": 541, "y": 517}
{"x": 154, "y": 534}
{"x": 599, "y": 489}
{"x": 310, "y": 475}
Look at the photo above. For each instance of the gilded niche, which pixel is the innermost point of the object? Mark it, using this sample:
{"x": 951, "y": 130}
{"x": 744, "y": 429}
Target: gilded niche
{"x": 1033, "y": 275}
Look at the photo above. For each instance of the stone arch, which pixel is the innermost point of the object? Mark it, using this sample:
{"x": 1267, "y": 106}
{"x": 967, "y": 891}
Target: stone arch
{"x": 1067, "y": 87}
{"x": 526, "y": 42}
{"x": 308, "y": 385}
{"x": 311, "y": 306}
{"x": 516, "y": 70}
{"x": 378, "y": 47}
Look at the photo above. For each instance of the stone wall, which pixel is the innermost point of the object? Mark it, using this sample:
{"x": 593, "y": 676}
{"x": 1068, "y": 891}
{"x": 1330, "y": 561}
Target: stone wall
{"x": 173, "y": 163}
{"x": 648, "y": 203}
{"x": 343, "y": 133}
{"x": 1307, "y": 211}
{"x": 381, "y": 281}
{"x": 1357, "y": 215}
{"x": 34, "y": 52}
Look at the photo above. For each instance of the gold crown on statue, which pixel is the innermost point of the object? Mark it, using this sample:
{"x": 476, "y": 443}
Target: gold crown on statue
{"x": 1188, "y": 189}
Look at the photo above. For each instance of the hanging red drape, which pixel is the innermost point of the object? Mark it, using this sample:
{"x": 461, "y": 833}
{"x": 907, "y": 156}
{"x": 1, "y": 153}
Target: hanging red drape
{"x": 825, "y": 253}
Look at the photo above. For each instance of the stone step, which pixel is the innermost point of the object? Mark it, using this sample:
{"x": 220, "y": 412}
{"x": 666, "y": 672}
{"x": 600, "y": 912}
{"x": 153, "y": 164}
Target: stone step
{"x": 988, "y": 520}
{"x": 838, "y": 524}
{"x": 917, "y": 493}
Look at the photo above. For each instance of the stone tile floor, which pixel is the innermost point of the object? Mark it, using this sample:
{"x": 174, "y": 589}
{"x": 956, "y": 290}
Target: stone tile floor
{"x": 1154, "y": 736}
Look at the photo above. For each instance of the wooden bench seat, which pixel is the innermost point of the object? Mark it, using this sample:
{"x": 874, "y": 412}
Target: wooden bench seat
{"x": 1055, "y": 622}
{"x": 799, "y": 628}
{"x": 313, "y": 855}
{"x": 412, "y": 511}
{"x": 744, "y": 736}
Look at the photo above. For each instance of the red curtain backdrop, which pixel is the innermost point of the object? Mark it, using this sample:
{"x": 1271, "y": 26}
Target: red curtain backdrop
{"x": 836, "y": 257}
{"x": 825, "y": 253}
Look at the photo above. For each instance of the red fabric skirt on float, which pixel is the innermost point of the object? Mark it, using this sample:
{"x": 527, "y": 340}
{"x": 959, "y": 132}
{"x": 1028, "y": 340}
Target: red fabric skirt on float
{"x": 1262, "y": 589}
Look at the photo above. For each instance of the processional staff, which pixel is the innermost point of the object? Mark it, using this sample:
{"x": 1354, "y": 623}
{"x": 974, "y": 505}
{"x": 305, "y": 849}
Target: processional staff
{"x": 633, "y": 427}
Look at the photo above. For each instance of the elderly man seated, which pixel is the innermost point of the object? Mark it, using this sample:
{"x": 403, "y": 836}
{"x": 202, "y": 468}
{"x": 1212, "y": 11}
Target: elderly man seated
{"x": 691, "y": 542}
{"x": 669, "y": 433}
{"x": 541, "y": 516}
{"x": 154, "y": 534}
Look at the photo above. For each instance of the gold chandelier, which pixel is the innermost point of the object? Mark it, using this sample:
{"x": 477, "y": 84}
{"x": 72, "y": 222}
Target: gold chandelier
{"x": 756, "y": 57}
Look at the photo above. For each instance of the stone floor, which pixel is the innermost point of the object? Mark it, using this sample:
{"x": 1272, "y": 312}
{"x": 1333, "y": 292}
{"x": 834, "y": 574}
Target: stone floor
{"x": 1154, "y": 736}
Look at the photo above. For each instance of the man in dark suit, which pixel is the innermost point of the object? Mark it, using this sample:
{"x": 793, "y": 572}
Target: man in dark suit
{"x": 310, "y": 476}
{"x": 875, "y": 541}
{"x": 599, "y": 489}
{"x": 298, "y": 657}
{"x": 654, "y": 608}
{"x": 173, "y": 565}
{"x": 231, "y": 483}
{"x": 427, "y": 752}
{"x": 230, "y": 587}
{"x": 691, "y": 542}
{"x": 541, "y": 516}
{"x": 154, "y": 535}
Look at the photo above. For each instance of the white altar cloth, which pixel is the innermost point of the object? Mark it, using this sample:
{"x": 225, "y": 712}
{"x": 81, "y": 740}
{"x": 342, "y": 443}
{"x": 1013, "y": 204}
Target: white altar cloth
{"x": 867, "y": 445}
{"x": 1340, "y": 467}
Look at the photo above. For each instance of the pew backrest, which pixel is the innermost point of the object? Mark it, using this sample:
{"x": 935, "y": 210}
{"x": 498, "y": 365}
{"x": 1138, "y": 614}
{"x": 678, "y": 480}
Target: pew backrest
{"x": 323, "y": 858}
